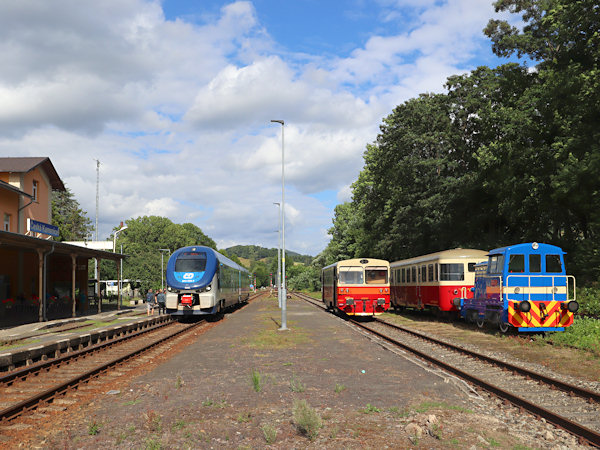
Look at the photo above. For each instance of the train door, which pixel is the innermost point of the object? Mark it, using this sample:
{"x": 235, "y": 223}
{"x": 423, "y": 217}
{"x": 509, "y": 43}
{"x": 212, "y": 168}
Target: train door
{"x": 334, "y": 297}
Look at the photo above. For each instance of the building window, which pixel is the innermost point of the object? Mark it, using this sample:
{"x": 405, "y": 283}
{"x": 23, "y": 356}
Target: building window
{"x": 6, "y": 222}
{"x": 35, "y": 190}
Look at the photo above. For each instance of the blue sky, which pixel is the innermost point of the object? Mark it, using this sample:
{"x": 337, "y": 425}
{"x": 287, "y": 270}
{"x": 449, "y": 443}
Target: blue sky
{"x": 175, "y": 99}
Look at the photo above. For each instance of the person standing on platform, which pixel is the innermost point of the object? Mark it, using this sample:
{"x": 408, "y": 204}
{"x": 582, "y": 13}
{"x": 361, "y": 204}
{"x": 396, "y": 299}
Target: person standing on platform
{"x": 150, "y": 303}
{"x": 161, "y": 299}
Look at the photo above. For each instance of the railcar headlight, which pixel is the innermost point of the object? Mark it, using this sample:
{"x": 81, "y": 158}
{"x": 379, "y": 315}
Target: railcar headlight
{"x": 517, "y": 290}
{"x": 208, "y": 288}
{"x": 456, "y": 301}
{"x": 525, "y": 306}
{"x": 573, "y": 306}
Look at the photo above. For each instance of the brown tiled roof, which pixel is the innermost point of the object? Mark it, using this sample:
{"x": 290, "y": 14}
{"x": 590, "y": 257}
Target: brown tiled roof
{"x": 10, "y": 187}
{"x": 26, "y": 164}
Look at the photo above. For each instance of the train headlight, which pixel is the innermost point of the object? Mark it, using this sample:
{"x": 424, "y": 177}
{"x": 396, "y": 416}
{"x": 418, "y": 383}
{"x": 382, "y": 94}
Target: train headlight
{"x": 517, "y": 290}
{"x": 525, "y": 306}
{"x": 573, "y": 306}
{"x": 456, "y": 301}
{"x": 208, "y": 288}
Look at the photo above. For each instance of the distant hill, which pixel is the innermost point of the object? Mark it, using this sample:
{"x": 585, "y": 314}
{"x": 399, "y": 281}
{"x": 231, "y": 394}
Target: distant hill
{"x": 256, "y": 253}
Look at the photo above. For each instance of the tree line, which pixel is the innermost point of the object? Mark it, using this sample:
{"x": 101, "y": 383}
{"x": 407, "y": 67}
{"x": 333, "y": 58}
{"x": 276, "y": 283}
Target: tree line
{"x": 508, "y": 154}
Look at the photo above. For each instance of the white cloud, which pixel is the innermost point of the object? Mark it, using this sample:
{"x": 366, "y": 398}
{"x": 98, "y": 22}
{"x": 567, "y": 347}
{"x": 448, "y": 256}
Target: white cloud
{"x": 178, "y": 112}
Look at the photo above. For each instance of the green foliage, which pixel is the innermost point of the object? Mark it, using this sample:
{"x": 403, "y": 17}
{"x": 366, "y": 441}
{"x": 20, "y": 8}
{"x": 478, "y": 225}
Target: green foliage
{"x": 296, "y": 385}
{"x": 93, "y": 428}
{"x": 507, "y": 155}
{"x": 589, "y": 300}
{"x": 72, "y": 222}
{"x": 141, "y": 241}
{"x": 256, "y": 379}
{"x": 307, "y": 420}
{"x": 583, "y": 334}
{"x": 370, "y": 409}
{"x": 269, "y": 433}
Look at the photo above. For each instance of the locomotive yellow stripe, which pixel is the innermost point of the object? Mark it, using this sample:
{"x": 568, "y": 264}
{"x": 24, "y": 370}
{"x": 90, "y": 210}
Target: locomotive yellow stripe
{"x": 555, "y": 316}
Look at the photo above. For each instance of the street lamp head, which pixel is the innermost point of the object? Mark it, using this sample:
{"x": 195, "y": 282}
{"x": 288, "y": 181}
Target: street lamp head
{"x": 277, "y": 121}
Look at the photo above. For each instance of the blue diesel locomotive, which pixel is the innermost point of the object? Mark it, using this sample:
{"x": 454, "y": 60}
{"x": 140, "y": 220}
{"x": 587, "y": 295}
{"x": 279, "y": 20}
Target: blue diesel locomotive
{"x": 201, "y": 281}
{"x": 523, "y": 286}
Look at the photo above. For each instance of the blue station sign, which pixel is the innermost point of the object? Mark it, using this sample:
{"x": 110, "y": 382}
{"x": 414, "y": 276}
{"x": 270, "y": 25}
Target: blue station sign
{"x": 43, "y": 228}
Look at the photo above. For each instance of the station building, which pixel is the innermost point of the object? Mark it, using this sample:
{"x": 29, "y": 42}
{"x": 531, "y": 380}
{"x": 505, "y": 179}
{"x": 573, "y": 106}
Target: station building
{"x": 40, "y": 278}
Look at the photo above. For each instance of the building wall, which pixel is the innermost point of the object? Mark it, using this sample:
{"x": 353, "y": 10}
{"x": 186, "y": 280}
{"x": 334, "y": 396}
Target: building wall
{"x": 40, "y": 210}
{"x": 9, "y": 204}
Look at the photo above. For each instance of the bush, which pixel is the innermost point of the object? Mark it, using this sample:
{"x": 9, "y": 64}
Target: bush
{"x": 307, "y": 419}
{"x": 583, "y": 334}
{"x": 589, "y": 300}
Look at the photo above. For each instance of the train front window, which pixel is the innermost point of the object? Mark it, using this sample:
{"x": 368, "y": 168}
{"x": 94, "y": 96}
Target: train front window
{"x": 351, "y": 275}
{"x": 535, "y": 263}
{"x": 516, "y": 264}
{"x": 191, "y": 262}
{"x": 376, "y": 275}
{"x": 452, "y": 272}
{"x": 553, "y": 264}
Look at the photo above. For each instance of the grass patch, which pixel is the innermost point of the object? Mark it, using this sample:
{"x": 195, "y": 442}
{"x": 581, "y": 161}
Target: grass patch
{"x": 339, "y": 388}
{"x": 256, "y": 379}
{"x": 584, "y": 334}
{"x": 426, "y": 406}
{"x": 307, "y": 420}
{"x": 179, "y": 382}
{"x": 244, "y": 417}
{"x": 178, "y": 425}
{"x": 152, "y": 421}
{"x": 269, "y": 433}
{"x": 273, "y": 339}
{"x": 208, "y": 402}
{"x": 135, "y": 401}
{"x": 296, "y": 385}
{"x": 93, "y": 428}
{"x": 370, "y": 409}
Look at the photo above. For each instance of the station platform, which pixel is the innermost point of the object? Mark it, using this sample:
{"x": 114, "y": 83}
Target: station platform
{"x": 25, "y": 344}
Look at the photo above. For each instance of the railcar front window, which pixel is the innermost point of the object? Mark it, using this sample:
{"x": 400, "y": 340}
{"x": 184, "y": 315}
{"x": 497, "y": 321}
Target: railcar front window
{"x": 553, "y": 264}
{"x": 452, "y": 272}
{"x": 516, "y": 264}
{"x": 191, "y": 262}
{"x": 351, "y": 275}
{"x": 376, "y": 275}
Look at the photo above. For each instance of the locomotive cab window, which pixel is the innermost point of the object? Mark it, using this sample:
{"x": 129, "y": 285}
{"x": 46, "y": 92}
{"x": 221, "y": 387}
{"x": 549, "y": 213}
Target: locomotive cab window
{"x": 191, "y": 262}
{"x": 495, "y": 263}
{"x": 452, "y": 272}
{"x": 516, "y": 263}
{"x": 376, "y": 275}
{"x": 535, "y": 263}
{"x": 553, "y": 264}
{"x": 471, "y": 267}
{"x": 351, "y": 275}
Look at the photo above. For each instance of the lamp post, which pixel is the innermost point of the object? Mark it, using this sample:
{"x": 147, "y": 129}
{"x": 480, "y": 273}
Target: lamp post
{"x": 120, "y": 299}
{"x": 278, "y": 255}
{"x": 283, "y": 289}
{"x": 162, "y": 271}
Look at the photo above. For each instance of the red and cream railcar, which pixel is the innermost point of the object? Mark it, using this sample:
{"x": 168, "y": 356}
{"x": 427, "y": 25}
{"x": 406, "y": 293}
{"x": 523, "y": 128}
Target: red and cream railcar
{"x": 358, "y": 287}
{"x": 433, "y": 281}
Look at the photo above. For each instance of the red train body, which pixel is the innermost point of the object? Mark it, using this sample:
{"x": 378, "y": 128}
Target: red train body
{"x": 433, "y": 281}
{"x": 358, "y": 287}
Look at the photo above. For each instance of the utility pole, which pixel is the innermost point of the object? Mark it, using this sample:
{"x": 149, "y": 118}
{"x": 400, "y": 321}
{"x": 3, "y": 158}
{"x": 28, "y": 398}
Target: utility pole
{"x": 97, "y": 287}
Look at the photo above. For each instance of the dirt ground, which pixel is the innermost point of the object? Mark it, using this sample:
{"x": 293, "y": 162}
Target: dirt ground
{"x": 243, "y": 384}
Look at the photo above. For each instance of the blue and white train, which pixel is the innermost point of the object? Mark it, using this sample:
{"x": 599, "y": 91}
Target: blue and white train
{"x": 201, "y": 281}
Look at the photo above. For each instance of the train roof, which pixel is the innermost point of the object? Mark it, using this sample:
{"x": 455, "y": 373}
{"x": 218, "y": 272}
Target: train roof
{"x": 455, "y": 253}
{"x": 222, "y": 258}
{"x": 360, "y": 262}
{"x": 528, "y": 247}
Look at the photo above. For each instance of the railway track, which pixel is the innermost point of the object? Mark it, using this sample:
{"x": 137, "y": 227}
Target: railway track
{"x": 29, "y": 388}
{"x": 567, "y": 406}
{"x": 41, "y": 384}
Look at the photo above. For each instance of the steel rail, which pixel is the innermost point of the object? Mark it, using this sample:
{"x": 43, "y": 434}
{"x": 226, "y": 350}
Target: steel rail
{"x": 566, "y": 387}
{"x": 18, "y": 409}
{"x": 584, "y": 434}
{"x": 23, "y": 373}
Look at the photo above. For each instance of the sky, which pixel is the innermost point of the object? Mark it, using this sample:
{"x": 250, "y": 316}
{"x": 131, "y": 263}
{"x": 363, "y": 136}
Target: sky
{"x": 175, "y": 99}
